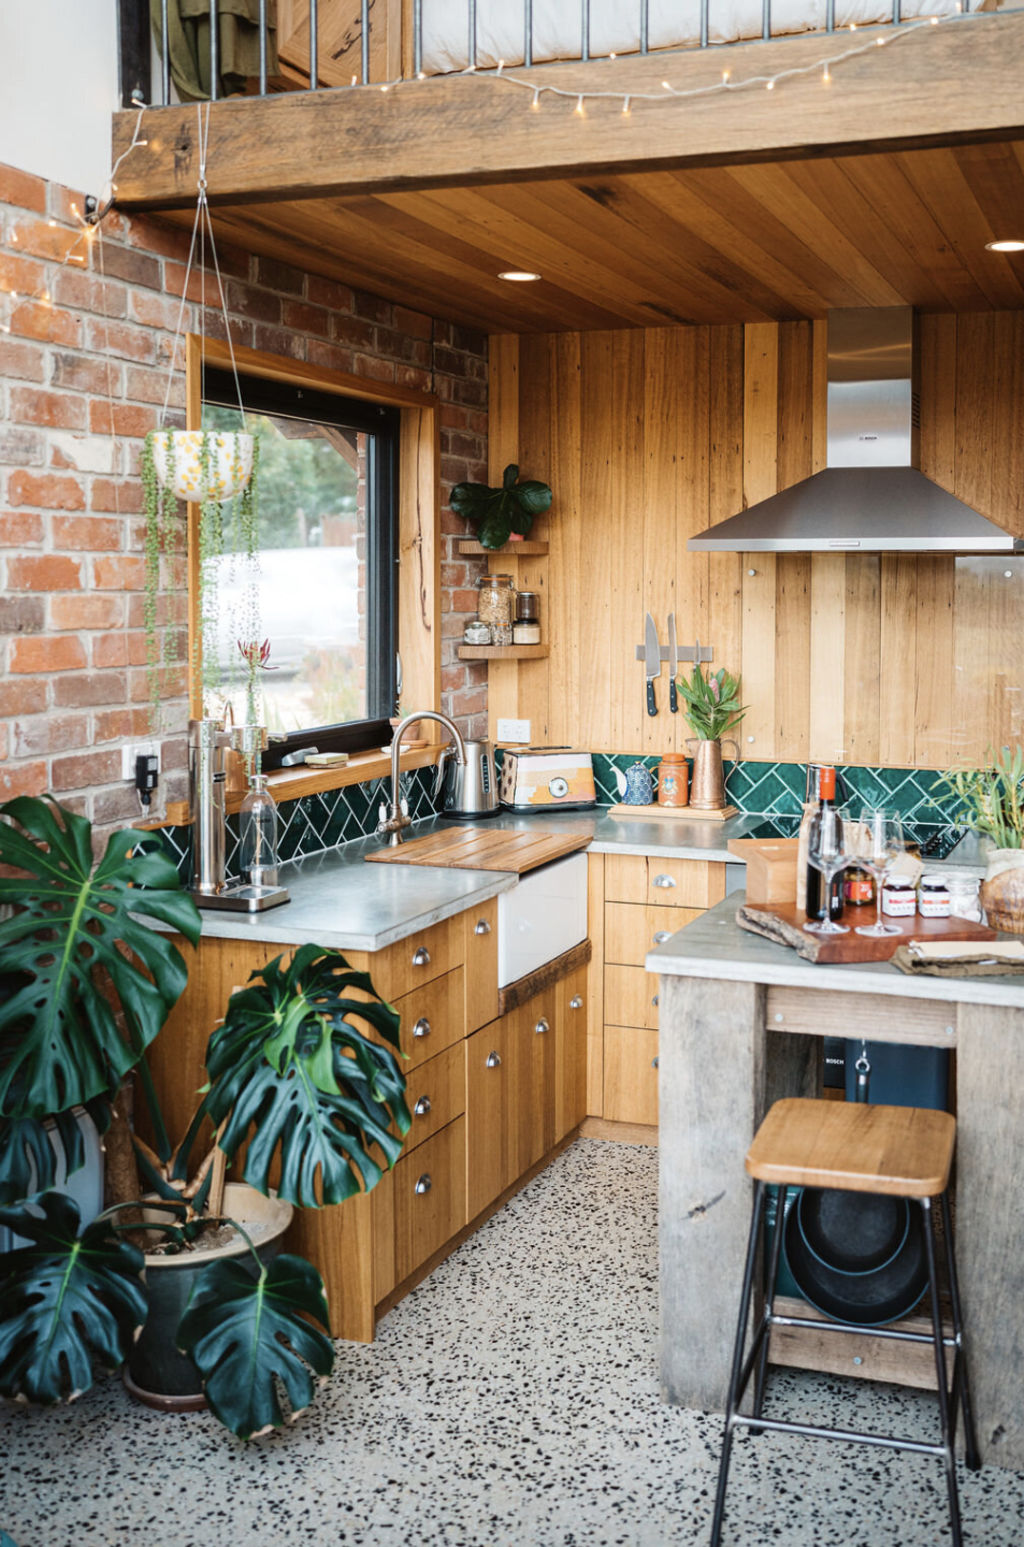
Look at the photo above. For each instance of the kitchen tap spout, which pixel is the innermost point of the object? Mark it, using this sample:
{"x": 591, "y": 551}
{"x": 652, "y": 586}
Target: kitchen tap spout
{"x": 397, "y": 820}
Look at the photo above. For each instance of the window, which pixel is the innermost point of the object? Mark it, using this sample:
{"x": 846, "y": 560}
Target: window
{"x": 322, "y": 591}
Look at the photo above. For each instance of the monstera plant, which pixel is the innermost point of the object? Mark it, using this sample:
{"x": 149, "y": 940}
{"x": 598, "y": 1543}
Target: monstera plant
{"x": 497, "y": 513}
{"x": 295, "y": 1089}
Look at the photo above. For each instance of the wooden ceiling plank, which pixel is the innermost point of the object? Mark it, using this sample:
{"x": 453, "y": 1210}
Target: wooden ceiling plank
{"x": 948, "y": 195}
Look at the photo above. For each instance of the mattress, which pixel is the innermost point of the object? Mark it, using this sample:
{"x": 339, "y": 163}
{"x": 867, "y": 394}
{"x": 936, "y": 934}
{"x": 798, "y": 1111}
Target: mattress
{"x": 615, "y": 27}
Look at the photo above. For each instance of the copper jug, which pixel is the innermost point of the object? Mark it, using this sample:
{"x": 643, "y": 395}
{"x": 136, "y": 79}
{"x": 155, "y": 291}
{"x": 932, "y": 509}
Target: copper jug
{"x": 707, "y": 783}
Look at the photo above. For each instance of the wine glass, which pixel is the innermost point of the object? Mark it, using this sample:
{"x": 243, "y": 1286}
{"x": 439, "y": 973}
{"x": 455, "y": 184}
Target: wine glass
{"x": 875, "y": 841}
{"x": 827, "y": 853}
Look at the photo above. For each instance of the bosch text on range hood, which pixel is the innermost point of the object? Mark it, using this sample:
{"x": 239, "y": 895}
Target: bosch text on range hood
{"x": 870, "y": 498}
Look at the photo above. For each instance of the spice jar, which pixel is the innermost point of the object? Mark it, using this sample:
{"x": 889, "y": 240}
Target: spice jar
{"x": 496, "y": 606}
{"x": 526, "y": 630}
{"x": 673, "y": 780}
{"x": 476, "y": 632}
{"x": 933, "y": 897}
{"x": 899, "y": 898}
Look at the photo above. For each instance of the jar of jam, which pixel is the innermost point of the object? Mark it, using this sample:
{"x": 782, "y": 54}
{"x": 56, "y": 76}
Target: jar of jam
{"x": 899, "y": 897}
{"x": 673, "y": 780}
{"x": 933, "y": 898}
{"x": 858, "y": 886}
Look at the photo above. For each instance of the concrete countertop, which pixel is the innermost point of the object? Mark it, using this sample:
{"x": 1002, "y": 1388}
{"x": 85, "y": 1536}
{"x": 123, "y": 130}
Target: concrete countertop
{"x": 714, "y": 946}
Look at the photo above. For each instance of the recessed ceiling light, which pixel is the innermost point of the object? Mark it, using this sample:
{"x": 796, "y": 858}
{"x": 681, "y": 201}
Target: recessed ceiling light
{"x": 1007, "y": 246}
{"x": 519, "y": 276}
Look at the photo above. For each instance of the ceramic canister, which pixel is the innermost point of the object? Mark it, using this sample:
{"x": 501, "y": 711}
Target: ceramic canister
{"x": 673, "y": 780}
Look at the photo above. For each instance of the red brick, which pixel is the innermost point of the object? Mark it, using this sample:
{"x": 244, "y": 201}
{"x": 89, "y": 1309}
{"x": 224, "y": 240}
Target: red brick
{"x": 467, "y": 702}
{"x": 119, "y": 804}
{"x": 89, "y": 688}
{"x": 29, "y": 779}
{"x": 150, "y": 386}
{"x": 76, "y": 773}
{"x": 173, "y": 682}
{"x": 86, "y": 610}
{"x": 153, "y": 235}
{"x": 89, "y": 294}
{"x": 60, "y": 652}
{"x": 463, "y": 601}
{"x": 34, "y": 319}
{"x": 119, "y": 649}
{"x": 171, "y": 607}
{"x": 21, "y": 696}
{"x": 67, "y": 204}
{"x": 120, "y": 574}
{"x": 128, "y": 263}
{"x": 89, "y": 533}
{"x": 305, "y": 318}
{"x": 20, "y": 529}
{"x": 22, "y": 189}
{"x": 279, "y": 276}
{"x": 356, "y": 334}
{"x": 201, "y": 286}
{"x": 48, "y": 733}
{"x": 417, "y": 324}
{"x": 21, "y": 615}
{"x": 277, "y": 341}
{"x": 20, "y": 276}
{"x": 122, "y": 339}
{"x": 328, "y": 292}
{"x": 23, "y": 361}
{"x": 377, "y": 370}
{"x": 44, "y": 572}
{"x": 330, "y": 357}
{"x": 129, "y": 420}
{"x": 21, "y": 447}
{"x": 414, "y": 376}
{"x": 118, "y": 724}
{"x": 56, "y": 410}
{"x": 40, "y": 239}
{"x": 84, "y": 375}
{"x": 125, "y": 497}
{"x": 154, "y": 311}
{"x": 3, "y": 743}
{"x": 372, "y": 306}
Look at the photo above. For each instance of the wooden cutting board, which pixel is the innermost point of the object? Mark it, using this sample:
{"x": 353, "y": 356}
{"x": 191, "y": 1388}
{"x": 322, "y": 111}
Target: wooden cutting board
{"x": 784, "y": 922}
{"x": 476, "y": 848}
{"x": 662, "y": 813}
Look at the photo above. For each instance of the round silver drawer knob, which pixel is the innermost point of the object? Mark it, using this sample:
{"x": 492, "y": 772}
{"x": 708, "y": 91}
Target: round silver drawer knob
{"x": 493, "y": 1061}
{"x": 664, "y": 881}
{"x": 421, "y": 957}
{"x": 424, "y": 1184}
{"x": 481, "y": 927}
{"x": 654, "y": 1001}
{"x": 422, "y": 1027}
{"x": 576, "y": 1002}
{"x": 661, "y": 936}
{"x": 422, "y": 1106}
{"x": 654, "y": 1063}
{"x": 541, "y": 1027}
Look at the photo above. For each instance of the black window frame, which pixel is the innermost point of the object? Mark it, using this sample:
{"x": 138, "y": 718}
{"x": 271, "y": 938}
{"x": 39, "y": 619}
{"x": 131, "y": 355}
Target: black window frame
{"x": 262, "y": 394}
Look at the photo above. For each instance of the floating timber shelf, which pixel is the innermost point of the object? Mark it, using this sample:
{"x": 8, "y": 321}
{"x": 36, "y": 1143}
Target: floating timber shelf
{"x": 524, "y": 550}
{"x": 502, "y": 652}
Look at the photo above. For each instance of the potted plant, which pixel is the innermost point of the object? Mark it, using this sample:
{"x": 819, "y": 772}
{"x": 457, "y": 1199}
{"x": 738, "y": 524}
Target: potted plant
{"x": 85, "y": 986}
{"x": 712, "y": 708}
{"x": 990, "y": 801}
{"x": 498, "y": 513}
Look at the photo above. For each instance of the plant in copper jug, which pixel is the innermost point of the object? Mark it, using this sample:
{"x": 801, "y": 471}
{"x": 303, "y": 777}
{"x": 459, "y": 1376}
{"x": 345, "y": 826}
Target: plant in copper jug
{"x": 497, "y": 513}
{"x": 713, "y": 705}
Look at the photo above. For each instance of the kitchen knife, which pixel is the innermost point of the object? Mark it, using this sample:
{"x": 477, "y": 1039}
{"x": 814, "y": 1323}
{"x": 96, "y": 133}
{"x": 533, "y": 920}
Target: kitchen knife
{"x": 652, "y": 661}
{"x": 673, "y": 664}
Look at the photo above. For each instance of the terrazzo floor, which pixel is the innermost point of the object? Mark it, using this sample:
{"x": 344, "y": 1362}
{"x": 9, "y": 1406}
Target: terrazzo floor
{"x": 511, "y": 1401}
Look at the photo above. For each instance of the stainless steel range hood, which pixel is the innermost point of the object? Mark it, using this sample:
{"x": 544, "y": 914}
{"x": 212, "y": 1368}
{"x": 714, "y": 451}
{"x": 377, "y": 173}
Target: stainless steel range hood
{"x": 870, "y": 498}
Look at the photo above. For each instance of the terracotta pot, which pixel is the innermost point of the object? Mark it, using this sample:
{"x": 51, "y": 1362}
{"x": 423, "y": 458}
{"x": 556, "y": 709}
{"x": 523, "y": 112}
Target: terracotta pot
{"x": 1002, "y": 891}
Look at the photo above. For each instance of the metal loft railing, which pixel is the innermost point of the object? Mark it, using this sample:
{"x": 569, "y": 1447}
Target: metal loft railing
{"x": 136, "y": 48}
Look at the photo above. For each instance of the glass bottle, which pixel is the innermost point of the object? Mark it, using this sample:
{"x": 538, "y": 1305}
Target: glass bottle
{"x": 258, "y": 822}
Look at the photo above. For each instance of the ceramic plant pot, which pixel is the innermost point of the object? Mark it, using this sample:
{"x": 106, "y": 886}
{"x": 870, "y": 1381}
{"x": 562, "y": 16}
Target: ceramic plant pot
{"x": 178, "y": 462}
{"x": 156, "y": 1372}
{"x": 1002, "y": 891}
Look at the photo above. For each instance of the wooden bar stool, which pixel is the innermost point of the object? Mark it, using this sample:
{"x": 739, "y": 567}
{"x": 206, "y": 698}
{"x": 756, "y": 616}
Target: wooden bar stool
{"x": 901, "y": 1151}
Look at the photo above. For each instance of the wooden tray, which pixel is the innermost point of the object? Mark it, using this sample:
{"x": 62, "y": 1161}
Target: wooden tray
{"x": 784, "y": 922}
{"x": 477, "y": 848}
{"x": 656, "y": 813}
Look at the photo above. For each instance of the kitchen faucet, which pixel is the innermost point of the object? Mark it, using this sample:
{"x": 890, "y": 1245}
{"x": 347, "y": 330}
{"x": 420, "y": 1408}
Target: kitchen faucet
{"x": 398, "y": 819}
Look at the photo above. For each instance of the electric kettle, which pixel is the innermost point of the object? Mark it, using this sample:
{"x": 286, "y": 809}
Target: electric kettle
{"x": 470, "y": 788}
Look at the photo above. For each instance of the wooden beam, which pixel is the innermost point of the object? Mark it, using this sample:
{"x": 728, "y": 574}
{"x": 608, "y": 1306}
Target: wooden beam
{"x": 949, "y": 84}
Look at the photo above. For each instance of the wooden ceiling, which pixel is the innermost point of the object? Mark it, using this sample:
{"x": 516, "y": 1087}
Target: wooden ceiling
{"x": 772, "y": 240}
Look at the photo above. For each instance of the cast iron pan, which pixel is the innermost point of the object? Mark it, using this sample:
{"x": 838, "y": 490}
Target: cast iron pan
{"x": 884, "y": 1245}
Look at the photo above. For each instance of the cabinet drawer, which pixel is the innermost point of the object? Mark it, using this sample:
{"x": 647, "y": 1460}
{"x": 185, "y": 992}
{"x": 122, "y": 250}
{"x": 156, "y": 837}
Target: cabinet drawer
{"x": 429, "y": 1191}
{"x": 630, "y": 1075}
{"x": 435, "y": 1094}
{"x": 480, "y": 956}
{"x": 418, "y": 959}
{"x": 630, "y": 931}
{"x": 630, "y": 997}
{"x": 669, "y": 883}
{"x": 433, "y": 1018}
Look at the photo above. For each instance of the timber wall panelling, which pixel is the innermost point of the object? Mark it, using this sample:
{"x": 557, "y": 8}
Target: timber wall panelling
{"x": 648, "y": 436}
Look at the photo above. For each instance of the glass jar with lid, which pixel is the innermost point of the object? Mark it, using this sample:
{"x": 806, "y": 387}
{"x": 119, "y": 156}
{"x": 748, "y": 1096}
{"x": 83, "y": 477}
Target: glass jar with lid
{"x": 495, "y": 605}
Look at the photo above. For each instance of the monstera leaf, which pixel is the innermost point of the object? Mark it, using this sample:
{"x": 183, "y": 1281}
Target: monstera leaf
{"x": 67, "y": 1300}
{"x": 496, "y": 513}
{"x": 290, "y": 1072}
{"x": 31, "y": 1152}
{"x": 71, "y": 947}
{"x": 244, "y": 1334}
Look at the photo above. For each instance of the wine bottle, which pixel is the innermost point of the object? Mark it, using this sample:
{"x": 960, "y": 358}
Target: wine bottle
{"x": 816, "y": 904}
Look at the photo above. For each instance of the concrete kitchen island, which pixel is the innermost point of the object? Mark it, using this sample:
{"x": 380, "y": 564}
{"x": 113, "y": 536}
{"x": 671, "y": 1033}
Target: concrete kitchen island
{"x": 739, "y": 1021}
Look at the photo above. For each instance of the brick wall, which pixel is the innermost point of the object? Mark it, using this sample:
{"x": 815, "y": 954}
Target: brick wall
{"x": 85, "y": 341}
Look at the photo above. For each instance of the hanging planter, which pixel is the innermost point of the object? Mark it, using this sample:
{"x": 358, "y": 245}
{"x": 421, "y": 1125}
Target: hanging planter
{"x": 202, "y": 465}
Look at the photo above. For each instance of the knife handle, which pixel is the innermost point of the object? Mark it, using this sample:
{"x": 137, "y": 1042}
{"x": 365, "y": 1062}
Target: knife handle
{"x": 673, "y": 697}
{"x": 652, "y": 707}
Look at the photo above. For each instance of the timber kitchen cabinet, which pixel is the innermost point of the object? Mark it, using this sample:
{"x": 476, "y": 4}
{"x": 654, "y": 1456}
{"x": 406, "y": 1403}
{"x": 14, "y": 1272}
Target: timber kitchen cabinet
{"x": 640, "y": 900}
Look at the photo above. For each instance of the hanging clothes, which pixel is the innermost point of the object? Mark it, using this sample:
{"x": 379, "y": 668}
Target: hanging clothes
{"x": 238, "y": 36}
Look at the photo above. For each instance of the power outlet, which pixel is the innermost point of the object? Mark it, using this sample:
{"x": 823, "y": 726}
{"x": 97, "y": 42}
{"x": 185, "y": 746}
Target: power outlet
{"x": 514, "y": 730}
{"x": 136, "y": 749}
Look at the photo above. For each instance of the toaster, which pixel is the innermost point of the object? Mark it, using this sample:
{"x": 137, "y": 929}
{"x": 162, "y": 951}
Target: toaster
{"x": 547, "y": 779}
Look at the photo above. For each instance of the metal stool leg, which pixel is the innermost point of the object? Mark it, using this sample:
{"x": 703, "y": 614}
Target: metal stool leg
{"x": 960, "y": 1367}
{"x": 737, "y": 1363}
{"x": 940, "y": 1370}
{"x": 769, "y": 1303}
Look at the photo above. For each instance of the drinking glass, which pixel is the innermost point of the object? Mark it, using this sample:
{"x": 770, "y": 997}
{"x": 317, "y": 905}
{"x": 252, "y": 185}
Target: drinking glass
{"x": 875, "y": 840}
{"x": 827, "y": 853}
